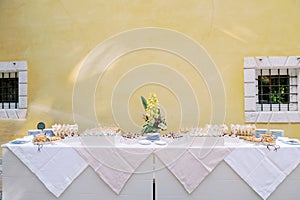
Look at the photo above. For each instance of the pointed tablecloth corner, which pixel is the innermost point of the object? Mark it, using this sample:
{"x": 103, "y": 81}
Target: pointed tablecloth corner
{"x": 263, "y": 170}
{"x": 201, "y": 162}
{"x": 114, "y": 165}
{"x": 50, "y": 164}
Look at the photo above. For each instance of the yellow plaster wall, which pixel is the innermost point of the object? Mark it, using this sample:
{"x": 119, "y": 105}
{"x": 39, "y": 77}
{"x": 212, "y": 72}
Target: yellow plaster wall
{"x": 56, "y": 36}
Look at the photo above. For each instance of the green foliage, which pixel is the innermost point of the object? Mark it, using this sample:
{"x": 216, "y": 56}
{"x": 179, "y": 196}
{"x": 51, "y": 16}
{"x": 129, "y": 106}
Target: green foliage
{"x": 154, "y": 121}
{"x": 278, "y": 97}
{"x": 144, "y": 102}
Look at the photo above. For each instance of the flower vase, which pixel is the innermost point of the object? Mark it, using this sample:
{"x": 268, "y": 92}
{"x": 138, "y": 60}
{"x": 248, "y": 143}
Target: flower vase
{"x": 153, "y": 136}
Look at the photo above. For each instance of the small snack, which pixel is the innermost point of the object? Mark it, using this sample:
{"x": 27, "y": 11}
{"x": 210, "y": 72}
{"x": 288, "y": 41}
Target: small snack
{"x": 251, "y": 139}
{"x": 131, "y": 135}
{"x": 65, "y": 130}
{"x": 268, "y": 139}
{"x": 40, "y": 138}
{"x": 243, "y": 130}
{"x": 172, "y": 135}
{"x": 102, "y": 131}
{"x": 225, "y": 130}
{"x": 55, "y": 138}
{"x": 254, "y": 139}
{"x": 210, "y": 130}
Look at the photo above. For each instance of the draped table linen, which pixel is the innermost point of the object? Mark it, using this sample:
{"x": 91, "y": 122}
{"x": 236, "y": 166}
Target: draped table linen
{"x": 56, "y": 165}
{"x": 190, "y": 165}
{"x": 262, "y": 169}
{"x": 114, "y": 165}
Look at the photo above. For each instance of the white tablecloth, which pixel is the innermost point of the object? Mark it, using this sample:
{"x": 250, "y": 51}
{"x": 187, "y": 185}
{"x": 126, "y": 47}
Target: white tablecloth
{"x": 112, "y": 164}
{"x": 58, "y": 165}
{"x": 191, "y": 165}
{"x": 264, "y": 169}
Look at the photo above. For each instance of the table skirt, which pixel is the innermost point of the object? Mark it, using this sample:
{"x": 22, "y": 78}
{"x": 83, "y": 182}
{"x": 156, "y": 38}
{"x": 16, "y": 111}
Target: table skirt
{"x": 223, "y": 183}
{"x": 19, "y": 183}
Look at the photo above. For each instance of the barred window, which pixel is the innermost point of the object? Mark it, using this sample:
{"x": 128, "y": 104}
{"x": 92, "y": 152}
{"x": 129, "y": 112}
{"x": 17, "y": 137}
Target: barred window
{"x": 271, "y": 89}
{"x": 9, "y": 87}
{"x": 276, "y": 90}
{"x": 13, "y": 90}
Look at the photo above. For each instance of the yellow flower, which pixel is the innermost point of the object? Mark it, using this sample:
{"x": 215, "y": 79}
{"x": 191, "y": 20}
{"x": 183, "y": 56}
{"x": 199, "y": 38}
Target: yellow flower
{"x": 153, "y": 119}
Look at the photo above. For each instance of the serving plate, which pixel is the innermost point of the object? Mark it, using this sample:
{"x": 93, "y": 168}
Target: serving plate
{"x": 144, "y": 142}
{"x": 292, "y": 142}
{"x": 160, "y": 142}
{"x": 19, "y": 142}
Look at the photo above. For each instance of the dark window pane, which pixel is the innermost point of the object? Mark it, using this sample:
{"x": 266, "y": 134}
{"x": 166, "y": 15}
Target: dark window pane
{"x": 9, "y": 90}
{"x": 273, "y": 89}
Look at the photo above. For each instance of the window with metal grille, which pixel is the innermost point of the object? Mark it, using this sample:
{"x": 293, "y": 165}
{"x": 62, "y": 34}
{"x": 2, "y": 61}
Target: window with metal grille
{"x": 276, "y": 90}
{"x": 9, "y": 90}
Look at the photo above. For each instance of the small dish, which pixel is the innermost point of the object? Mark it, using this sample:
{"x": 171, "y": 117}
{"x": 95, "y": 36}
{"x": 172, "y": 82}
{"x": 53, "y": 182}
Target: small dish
{"x": 160, "y": 142}
{"x": 19, "y": 142}
{"x": 292, "y": 142}
{"x": 144, "y": 142}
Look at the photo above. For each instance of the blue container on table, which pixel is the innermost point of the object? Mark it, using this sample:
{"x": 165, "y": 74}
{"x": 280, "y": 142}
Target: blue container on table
{"x": 277, "y": 133}
{"x": 153, "y": 136}
{"x": 48, "y": 132}
{"x": 34, "y": 132}
{"x": 258, "y": 132}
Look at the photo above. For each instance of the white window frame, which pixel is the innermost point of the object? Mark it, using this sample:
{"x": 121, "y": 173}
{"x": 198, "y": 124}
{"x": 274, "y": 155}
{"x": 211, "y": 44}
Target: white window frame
{"x": 21, "y": 68}
{"x": 251, "y": 64}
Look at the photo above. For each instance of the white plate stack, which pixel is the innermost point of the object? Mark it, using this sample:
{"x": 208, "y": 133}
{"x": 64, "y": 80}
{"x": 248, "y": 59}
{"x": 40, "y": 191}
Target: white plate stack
{"x": 277, "y": 133}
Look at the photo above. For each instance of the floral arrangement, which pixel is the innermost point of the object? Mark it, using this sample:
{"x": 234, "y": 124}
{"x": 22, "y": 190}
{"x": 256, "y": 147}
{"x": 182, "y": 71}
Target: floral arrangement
{"x": 154, "y": 121}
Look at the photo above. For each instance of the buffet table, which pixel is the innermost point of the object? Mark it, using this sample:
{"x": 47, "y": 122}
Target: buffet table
{"x": 97, "y": 168}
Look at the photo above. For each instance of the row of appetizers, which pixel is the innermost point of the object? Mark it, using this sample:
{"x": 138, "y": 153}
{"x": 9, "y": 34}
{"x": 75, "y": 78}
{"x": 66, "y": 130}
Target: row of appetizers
{"x": 264, "y": 138}
{"x": 210, "y": 130}
{"x": 213, "y": 130}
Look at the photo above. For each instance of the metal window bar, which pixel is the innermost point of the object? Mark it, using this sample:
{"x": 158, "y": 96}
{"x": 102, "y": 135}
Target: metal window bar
{"x": 288, "y": 94}
{"x": 291, "y": 94}
{"x": 262, "y": 105}
{"x": 279, "y": 84}
{"x": 279, "y": 106}
{"x": 287, "y": 72}
{"x": 9, "y": 90}
{"x": 270, "y": 88}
